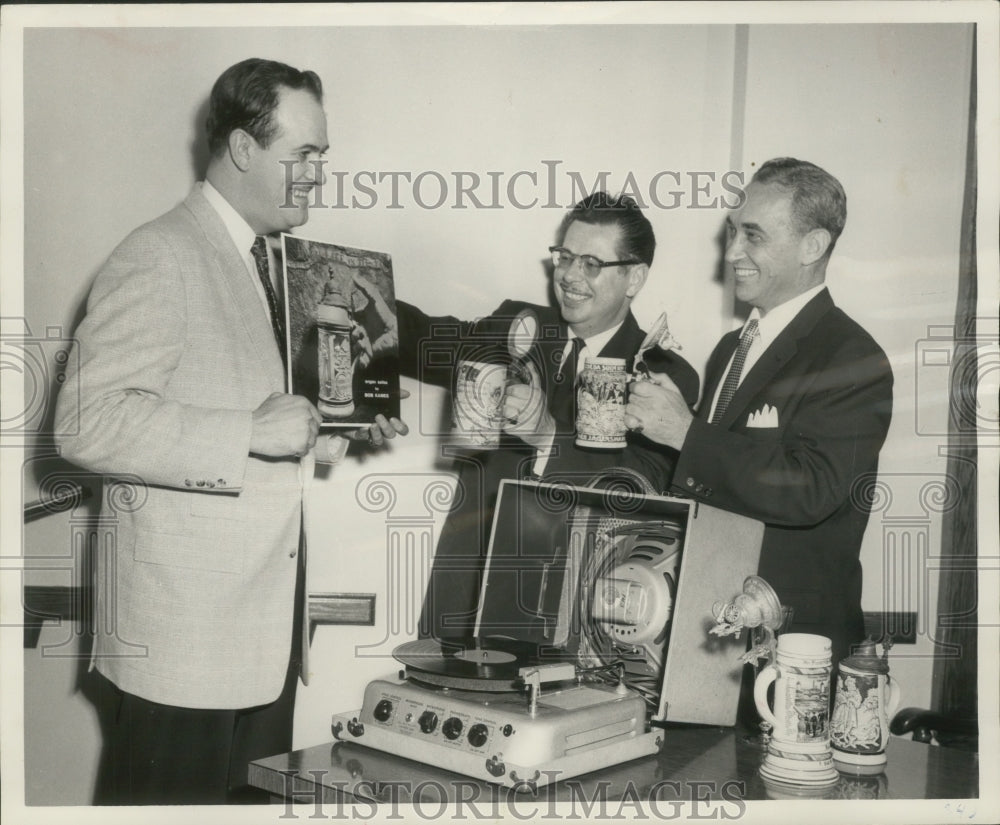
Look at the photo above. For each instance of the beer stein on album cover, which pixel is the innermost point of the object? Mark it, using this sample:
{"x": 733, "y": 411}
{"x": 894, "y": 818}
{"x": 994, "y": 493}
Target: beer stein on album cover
{"x": 335, "y": 361}
{"x": 799, "y": 750}
{"x": 866, "y": 699}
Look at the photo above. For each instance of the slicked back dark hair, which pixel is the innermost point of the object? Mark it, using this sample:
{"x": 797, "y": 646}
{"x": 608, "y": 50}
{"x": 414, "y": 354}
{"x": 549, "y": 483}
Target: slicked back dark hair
{"x": 245, "y": 97}
{"x": 637, "y": 238}
{"x": 818, "y": 199}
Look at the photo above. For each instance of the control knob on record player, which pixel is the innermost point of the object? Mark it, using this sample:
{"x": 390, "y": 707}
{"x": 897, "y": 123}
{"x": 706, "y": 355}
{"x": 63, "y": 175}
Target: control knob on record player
{"x": 428, "y": 721}
{"x": 383, "y": 710}
{"x": 478, "y": 734}
{"x": 452, "y": 728}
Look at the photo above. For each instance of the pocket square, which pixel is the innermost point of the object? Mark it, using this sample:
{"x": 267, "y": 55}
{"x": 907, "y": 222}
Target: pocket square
{"x": 765, "y": 417}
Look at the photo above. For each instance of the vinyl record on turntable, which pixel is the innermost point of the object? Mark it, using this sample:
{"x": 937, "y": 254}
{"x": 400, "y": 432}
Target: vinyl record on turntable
{"x": 490, "y": 664}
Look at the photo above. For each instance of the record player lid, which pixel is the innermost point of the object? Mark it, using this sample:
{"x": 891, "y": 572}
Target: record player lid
{"x": 530, "y": 576}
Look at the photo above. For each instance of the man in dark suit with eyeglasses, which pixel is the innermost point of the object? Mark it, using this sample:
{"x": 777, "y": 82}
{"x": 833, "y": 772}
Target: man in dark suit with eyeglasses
{"x": 600, "y": 263}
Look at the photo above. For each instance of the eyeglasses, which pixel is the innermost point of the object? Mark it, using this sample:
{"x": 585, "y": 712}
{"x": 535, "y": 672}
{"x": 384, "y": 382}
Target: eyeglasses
{"x": 563, "y": 259}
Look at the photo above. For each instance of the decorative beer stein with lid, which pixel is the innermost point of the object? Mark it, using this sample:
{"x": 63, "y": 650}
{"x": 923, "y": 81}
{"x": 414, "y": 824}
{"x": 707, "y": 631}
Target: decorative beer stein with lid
{"x": 333, "y": 350}
{"x": 865, "y": 701}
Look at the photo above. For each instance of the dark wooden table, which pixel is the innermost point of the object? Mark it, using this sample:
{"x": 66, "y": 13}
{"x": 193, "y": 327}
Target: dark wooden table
{"x": 713, "y": 768}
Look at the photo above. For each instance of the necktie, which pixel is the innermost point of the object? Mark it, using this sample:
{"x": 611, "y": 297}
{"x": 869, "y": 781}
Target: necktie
{"x": 563, "y": 405}
{"x": 259, "y": 252}
{"x": 735, "y": 371}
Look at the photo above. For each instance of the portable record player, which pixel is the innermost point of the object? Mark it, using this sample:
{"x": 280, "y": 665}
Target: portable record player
{"x": 592, "y": 632}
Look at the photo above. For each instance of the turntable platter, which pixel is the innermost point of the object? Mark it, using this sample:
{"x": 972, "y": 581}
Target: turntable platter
{"x": 485, "y": 664}
{"x": 485, "y": 656}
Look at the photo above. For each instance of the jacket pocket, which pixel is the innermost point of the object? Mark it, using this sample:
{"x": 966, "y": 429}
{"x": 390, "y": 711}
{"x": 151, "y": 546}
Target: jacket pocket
{"x": 763, "y": 434}
{"x": 216, "y": 506}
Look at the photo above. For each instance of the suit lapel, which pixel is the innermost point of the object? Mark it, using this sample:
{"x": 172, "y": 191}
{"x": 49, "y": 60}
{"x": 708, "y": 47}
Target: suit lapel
{"x": 235, "y": 276}
{"x": 625, "y": 342}
{"x": 549, "y": 350}
{"x": 779, "y": 353}
{"x": 551, "y": 342}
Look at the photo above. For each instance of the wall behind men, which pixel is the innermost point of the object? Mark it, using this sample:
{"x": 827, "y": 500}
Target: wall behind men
{"x": 112, "y": 138}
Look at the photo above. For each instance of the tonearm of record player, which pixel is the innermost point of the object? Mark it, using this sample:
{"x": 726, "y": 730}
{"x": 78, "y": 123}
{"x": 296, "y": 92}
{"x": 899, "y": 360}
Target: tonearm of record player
{"x": 593, "y": 631}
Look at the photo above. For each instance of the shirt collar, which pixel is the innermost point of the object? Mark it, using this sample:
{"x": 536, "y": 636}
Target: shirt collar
{"x": 773, "y": 324}
{"x": 239, "y": 230}
{"x": 595, "y": 343}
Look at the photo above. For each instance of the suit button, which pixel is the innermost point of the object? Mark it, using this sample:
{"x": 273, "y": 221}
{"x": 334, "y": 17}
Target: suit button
{"x": 708, "y": 491}
{"x": 699, "y": 488}
{"x": 690, "y": 482}
{"x": 221, "y": 482}
{"x": 209, "y": 483}
{"x": 292, "y": 554}
{"x": 188, "y": 482}
{"x": 201, "y": 482}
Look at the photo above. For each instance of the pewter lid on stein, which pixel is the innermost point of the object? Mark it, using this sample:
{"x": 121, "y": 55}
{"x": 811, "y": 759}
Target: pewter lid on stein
{"x": 864, "y": 657}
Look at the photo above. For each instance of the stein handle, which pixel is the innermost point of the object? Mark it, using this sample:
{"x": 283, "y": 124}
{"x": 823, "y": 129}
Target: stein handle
{"x": 760, "y": 686}
{"x": 894, "y": 696}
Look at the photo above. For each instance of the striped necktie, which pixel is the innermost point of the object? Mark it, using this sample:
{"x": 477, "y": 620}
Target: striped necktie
{"x": 735, "y": 371}
{"x": 259, "y": 252}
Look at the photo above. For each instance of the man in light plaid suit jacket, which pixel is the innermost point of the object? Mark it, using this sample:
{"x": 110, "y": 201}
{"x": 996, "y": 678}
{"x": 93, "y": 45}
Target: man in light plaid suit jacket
{"x": 182, "y": 385}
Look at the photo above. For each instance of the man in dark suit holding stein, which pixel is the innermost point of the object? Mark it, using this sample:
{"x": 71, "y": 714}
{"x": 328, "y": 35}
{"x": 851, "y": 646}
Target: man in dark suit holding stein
{"x": 796, "y": 408}
{"x": 600, "y": 263}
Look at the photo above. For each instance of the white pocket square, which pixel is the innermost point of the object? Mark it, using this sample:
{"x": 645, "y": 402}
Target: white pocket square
{"x": 765, "y": 417}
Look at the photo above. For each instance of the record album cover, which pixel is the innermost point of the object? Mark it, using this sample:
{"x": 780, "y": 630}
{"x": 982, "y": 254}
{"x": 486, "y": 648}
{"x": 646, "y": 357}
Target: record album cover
{"x": 343, "y": 347}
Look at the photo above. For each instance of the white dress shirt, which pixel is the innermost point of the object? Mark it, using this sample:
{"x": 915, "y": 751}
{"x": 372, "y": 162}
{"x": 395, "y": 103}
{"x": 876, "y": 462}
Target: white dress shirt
{"x": 243, "y": 237}
{"x": 769, "y": 327}
{"x": 592, "y": 346}
{"x": 329, "y": 449}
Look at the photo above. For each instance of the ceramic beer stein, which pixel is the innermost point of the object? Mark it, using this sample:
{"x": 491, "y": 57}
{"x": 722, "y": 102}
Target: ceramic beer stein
{"x": 600, "y": 404}
{"x": 798, "y": 752}
{"x": 866, "y": 699}
{"x": 801, "y": 676}
{"x": 478, "y": 404}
